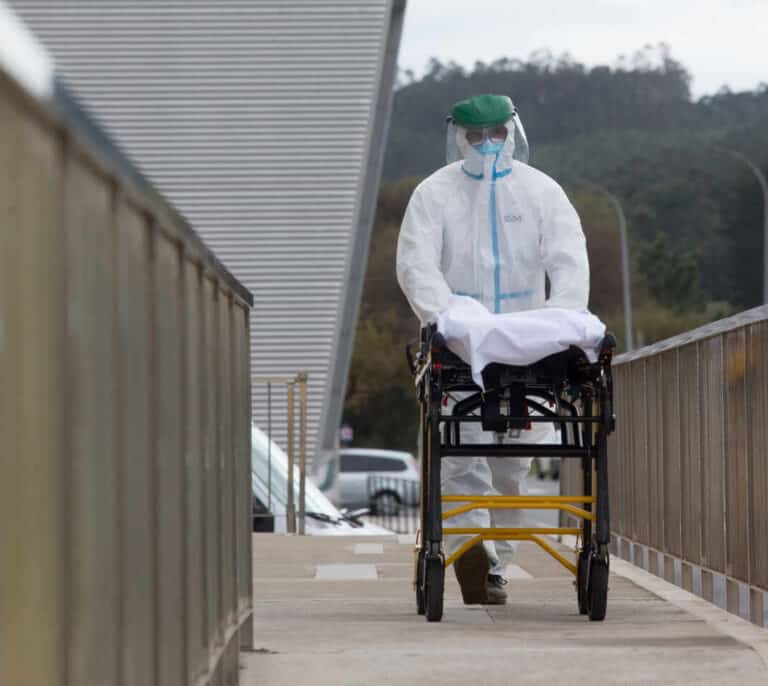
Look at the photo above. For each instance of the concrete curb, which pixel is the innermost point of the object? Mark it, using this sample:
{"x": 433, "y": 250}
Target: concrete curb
{"x": 721, "y": 620}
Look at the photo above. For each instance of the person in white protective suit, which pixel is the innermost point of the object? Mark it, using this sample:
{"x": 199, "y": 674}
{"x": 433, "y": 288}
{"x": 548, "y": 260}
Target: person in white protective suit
{"x": 491, "y": 227}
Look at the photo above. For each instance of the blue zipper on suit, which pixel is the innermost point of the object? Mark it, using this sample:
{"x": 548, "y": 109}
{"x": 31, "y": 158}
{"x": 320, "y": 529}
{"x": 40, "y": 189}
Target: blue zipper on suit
{"x": 497, "y": 295}
{"x": 495, "y": 246}
{"x": 495, "y": 243}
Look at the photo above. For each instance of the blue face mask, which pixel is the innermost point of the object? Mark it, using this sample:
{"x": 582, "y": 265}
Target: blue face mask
{"x": 488, "y": 147}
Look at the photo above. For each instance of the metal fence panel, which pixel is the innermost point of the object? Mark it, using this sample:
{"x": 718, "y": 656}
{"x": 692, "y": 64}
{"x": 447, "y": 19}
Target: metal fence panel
{"x": 197, "y": 662}
{"x": 690, "y": 450}
{"x": 712, "y": 453}
{"x": 689, "y": 474}
{"x": 242, "y": 394}
{"x": 32, "y": 565}
{"x": 90, "y": 423}
{"x": 212, "y": 477}
{"x": 168, "y": 457}
{"x": 736, "y": 459}
{"x": 655, "y": 447}
{"x": 614, "y": 470}
{"x": 628, "y": 463}
{"x": 138, "y": 646}
{"x": 620, "y": 457}
{"x": 757, "y": 420}
{"x": 614, "y": 483}
{"x": 225, "y": 459}
{"x": 670, "y": 455}
{"x": 124, "y": 413}
{"x": 399, "y": 512}
{"x": 639, "y": 492}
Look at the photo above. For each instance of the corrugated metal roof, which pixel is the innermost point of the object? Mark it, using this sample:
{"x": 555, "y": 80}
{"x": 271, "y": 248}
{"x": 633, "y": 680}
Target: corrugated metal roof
{"x": 254, "y": 117}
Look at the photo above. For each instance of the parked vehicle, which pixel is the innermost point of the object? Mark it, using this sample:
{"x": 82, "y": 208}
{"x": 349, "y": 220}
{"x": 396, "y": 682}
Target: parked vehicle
{"x": 382, "y": 480}
{"x": 270, "y": 496}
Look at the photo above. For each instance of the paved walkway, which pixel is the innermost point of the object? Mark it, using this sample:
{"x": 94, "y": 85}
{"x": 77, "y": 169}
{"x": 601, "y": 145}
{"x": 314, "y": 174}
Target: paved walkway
{"x": 340, "y": 612}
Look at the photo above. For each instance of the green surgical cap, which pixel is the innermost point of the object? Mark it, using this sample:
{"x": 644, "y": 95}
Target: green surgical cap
{"x": 483, "y": 111}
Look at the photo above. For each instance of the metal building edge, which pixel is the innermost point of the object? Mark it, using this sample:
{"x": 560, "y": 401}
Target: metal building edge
{"x": 357, "y": 256}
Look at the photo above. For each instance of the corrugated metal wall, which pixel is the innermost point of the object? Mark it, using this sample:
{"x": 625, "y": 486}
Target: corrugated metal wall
{"x": 262, "y": 120}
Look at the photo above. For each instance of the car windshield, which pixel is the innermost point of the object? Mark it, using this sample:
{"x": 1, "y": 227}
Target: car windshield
{"x": 260, "y": 459}
{"x": 361, "y": 460}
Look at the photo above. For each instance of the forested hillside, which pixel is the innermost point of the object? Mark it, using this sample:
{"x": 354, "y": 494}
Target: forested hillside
{"x": 694, "y": 210}
{"x": 560, "y": 99}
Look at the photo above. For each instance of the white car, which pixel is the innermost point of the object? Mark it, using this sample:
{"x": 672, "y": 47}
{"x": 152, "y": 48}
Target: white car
{"x": 271, "y": 494}
{"x": 382, "y": 480}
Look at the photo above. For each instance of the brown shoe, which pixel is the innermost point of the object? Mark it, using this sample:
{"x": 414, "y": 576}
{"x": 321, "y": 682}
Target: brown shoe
{"x": 472, "y": 572}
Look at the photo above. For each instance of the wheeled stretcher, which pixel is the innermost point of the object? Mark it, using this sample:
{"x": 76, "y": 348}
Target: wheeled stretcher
{"x": 565, "y": 389}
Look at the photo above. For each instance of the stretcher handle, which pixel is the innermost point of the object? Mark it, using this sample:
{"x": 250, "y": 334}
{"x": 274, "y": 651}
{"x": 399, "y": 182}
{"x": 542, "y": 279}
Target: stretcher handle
{"x": 608, "y": 345}
{"x": 432, "y": 338}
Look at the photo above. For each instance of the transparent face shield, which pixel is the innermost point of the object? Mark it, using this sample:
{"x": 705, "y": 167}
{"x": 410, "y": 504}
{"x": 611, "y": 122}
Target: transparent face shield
{"x": 511, "y": 135}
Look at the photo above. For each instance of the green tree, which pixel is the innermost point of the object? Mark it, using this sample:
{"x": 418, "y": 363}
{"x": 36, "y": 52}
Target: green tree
{"x": 672, "y": 275}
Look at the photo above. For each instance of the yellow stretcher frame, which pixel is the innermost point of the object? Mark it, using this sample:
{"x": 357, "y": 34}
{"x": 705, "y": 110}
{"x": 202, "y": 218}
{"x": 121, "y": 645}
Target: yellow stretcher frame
{"x": 565, "y": 503}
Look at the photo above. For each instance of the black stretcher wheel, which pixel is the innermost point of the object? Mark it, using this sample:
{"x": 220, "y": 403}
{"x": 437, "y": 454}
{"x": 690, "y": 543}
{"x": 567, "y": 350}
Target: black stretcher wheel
{"x": 421, "y": 603}
{"x": 597, "y": 588}
{"x": 582, "y": 574}
{"x": 434, "y": 572}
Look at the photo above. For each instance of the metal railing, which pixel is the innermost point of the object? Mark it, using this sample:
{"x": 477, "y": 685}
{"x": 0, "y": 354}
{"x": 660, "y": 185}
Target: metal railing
{"x": 125, "y": 547}
{"x": 689, "y": 461}
{"x": 290, "y": 384}
{"x": 393, "y": 503}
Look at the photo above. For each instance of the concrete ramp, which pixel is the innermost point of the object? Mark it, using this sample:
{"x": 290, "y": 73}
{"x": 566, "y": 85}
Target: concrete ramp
{"x": 366, "y": 632}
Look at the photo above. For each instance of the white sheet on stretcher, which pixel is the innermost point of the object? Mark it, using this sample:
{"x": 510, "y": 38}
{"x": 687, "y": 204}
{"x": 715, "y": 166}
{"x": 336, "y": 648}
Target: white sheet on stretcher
{"x": 518, "y": 338}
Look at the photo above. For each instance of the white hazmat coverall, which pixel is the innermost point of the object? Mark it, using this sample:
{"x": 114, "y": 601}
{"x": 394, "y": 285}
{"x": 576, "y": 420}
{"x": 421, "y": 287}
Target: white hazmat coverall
{"x": 491, "y": 227}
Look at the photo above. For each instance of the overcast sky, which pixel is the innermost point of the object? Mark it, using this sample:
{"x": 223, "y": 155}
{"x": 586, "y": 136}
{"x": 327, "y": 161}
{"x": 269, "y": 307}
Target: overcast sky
{"x": 719, "y": 41}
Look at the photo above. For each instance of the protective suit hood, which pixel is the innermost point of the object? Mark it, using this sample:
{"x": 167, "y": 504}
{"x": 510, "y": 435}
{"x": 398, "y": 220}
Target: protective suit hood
{"x": 486, "y": 113}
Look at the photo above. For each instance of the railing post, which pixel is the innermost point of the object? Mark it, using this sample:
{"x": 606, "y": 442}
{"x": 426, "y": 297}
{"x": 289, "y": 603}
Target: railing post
{"x": 290, "y": 509}
{"x": 269, "y": 446}
{"x": 302, "y": 380}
